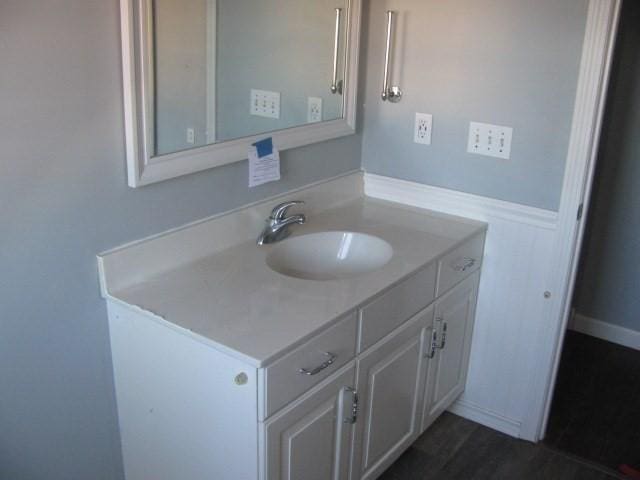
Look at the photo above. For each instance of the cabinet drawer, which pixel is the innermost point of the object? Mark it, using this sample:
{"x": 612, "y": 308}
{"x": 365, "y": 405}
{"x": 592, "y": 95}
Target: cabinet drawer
{"x": 306, "y": 366}
{"x": 394, "y": 307}
{"x": 459, "y": 264}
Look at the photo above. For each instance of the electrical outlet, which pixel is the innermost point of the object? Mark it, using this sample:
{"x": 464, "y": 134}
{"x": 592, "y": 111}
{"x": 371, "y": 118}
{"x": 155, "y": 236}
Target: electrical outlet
{"x": 314, "y": 109}
{"x": 422, "y": 128}
{"x": 265, "y": 103}
{"x": 191, "y": 136}
{"x": 490, "y": 140}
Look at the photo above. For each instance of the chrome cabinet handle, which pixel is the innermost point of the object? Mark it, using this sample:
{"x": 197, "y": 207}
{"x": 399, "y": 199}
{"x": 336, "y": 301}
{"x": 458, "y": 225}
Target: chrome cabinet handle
{"x": 443, "y": 337}
{"x": 319, "y": 368}
{"x": 336, "y": 86}
{"x": 464, "y": 264}
{"x": 353, "y": 413}
{"x": 393, "y": 94}
{"x": 434, "y": 345}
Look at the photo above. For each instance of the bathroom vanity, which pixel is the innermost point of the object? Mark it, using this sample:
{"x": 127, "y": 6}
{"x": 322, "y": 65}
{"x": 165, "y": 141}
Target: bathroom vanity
{"x": 228, "y": 369}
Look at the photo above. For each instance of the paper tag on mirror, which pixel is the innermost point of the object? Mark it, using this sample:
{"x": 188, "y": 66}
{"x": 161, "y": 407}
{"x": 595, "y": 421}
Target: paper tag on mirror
{"x": 264, "y": 163}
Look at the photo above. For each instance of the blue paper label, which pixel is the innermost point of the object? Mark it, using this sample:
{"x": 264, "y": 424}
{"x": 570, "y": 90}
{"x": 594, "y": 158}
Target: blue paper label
{"x": 264, "y": 147}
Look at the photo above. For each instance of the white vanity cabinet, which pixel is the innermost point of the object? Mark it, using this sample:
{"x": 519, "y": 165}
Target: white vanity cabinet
{"x": 341, "y": 402}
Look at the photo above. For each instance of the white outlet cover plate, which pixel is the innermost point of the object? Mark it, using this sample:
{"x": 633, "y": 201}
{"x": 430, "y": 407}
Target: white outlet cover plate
{"x": 314, "y": 109}
{"x": 422, "y": 128}
{"x": 265, "y": 103}
{"x": 490, "y": 140}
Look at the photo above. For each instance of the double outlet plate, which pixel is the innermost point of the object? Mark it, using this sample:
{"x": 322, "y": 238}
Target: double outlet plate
{"x": 423, "y": 127}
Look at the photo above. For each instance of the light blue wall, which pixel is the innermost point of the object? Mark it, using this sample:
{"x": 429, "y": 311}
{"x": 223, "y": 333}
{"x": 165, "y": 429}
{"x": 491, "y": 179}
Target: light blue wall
{"x": 180, "y": 42}
{"x": 62, "y": 200}
{"x": 505, "y": 62}
{"x": 608, "y": 286}
{"x": 272, "y": 45}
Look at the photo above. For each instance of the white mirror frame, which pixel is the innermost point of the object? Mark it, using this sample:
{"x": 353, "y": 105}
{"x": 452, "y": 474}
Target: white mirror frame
{"x": 137, "y": 68}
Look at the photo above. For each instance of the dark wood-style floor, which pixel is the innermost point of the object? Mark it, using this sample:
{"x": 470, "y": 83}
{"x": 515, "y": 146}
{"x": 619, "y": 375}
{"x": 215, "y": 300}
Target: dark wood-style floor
{"x": 457, "y": 449}
{"x": 596, "y": 408}
{"x": 594, "y": 427}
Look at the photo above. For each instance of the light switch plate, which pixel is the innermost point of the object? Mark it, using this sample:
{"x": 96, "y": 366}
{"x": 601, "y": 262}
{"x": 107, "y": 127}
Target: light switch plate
{"x": 490, "y": 140}
{"x": 265, "y": 103}
{"x": 314, "y": 109}
{"x": 422, "y": 128}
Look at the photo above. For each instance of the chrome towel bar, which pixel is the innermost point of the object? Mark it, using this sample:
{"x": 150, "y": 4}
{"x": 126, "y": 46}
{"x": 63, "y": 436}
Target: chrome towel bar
{"x": 336, "y": 86}
{"x": 393, "y": 93}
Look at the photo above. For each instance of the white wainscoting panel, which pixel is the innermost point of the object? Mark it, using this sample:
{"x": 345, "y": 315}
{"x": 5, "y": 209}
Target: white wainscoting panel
{"x": 511, "y": 301}
{"x": 605, "y": 331}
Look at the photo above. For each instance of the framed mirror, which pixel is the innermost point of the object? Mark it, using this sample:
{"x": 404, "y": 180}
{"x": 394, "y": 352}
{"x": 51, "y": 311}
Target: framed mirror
{"x": 205, "y": 79}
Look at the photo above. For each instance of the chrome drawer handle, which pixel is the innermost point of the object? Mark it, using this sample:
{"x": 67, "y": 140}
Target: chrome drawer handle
{"x": 443, "y": 338}
{"x": 464, "y": 264}
{"x": 319, "y": 368}
{"x": 434, "y": 345}
{"x": 353, "y": 414}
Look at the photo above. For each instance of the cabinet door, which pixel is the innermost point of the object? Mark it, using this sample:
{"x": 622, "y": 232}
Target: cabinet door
{"x": 447, "y": 372}
{"x": 390, "y": 387}
{"x": 311, "y": 439}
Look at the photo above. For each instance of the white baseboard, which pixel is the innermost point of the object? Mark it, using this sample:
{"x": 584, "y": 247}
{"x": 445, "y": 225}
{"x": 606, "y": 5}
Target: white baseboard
{"x": 487, "y": 418}
{"x": 605, "y": 331}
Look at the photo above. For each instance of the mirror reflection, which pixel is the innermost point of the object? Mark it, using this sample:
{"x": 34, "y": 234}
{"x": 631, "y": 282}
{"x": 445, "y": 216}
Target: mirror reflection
{"x": 226, "y": 69}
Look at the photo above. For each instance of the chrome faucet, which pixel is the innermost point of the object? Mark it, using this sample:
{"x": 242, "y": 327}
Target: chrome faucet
{"x": 278, "y": 224}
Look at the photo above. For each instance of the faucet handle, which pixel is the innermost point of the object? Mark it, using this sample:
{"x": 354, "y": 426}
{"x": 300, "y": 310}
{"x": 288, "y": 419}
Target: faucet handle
{"x": 279, "y": 211}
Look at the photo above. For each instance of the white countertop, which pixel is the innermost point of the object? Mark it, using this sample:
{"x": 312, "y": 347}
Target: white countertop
{"x": 233, "y": 301}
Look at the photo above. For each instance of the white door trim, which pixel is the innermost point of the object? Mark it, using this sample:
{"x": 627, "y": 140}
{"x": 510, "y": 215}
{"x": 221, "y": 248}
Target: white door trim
{"x": 591, "y": 93}
{"x": 212, "y": 35}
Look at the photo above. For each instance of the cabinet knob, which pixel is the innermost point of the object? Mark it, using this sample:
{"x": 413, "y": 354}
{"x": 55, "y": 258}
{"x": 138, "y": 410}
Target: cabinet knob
{"x": 241, "y": 379}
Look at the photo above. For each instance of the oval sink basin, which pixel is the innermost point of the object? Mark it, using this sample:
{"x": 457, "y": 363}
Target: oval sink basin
{"x": 329, "y": 255}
